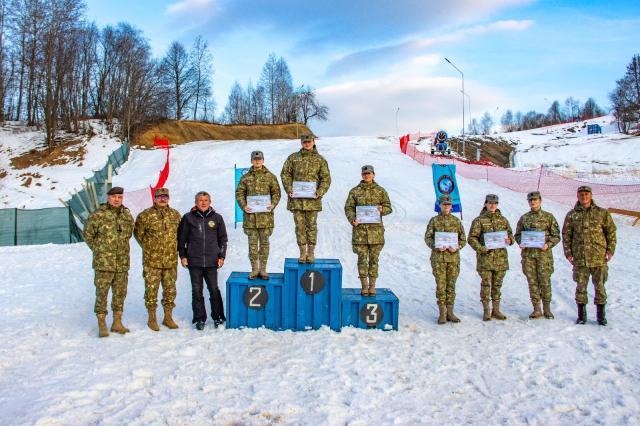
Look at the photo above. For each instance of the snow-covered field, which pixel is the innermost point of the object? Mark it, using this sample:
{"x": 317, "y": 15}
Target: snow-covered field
{"x": 54, "y": 370}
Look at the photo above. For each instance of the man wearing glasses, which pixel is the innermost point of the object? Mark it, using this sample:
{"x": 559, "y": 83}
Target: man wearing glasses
{"x": 156, "y": 231}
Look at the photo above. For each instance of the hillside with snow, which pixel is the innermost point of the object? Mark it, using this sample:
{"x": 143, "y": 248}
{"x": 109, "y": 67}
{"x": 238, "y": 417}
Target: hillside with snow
{"x": 54, "y": 369}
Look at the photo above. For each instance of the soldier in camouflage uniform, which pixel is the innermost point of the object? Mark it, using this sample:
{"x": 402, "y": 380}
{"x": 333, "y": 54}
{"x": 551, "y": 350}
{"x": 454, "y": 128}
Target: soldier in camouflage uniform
{"x": 589, "y": 241}
{"x": 445, "y": 261}
{"x": 537, "y": 263}
{"x": 156, "y": 231}
{"x": 492, "y": 264}
{"x": 306, "y": 165}
{"x": 107, "y": 233}
{"x": 258, "y": 226}
{"x": 367, "y": 238}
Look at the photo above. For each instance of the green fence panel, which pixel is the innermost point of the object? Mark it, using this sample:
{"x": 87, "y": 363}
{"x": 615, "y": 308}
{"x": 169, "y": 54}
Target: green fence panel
{"x": 43, "y": 226}
{"x": 7, "y": 227}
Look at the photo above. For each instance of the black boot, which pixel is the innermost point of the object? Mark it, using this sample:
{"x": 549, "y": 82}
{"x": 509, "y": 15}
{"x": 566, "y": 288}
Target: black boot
{"x": 582, "y": 314}
{"x": 602, "y": 319}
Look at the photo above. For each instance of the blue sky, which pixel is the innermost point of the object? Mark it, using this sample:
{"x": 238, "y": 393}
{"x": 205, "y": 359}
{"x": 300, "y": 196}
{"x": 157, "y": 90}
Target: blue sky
{"x": 368, "y": 58}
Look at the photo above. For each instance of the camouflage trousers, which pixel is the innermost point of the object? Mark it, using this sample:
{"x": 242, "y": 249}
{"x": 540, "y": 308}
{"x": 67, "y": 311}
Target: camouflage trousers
{"x": 367, "y": 259}
{"x": 598, "y": 277}
{"x": 258, "y": 242}
{"x": 153, "y": 277}
{"x": 538, "y": 272}
{"x": 306, "y": 226}
{"x": 491, "y": 284}
{"x": 446, "y": 275}
{"x": 117, "y": 282}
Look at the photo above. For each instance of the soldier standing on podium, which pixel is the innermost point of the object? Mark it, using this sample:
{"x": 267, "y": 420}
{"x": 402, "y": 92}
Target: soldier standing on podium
{"x": 306, "y": 169}
{"x": 367, "y": 238}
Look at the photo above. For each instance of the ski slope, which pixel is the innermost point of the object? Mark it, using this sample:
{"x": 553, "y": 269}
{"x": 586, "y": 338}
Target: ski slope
{"x": 54, "y": 370}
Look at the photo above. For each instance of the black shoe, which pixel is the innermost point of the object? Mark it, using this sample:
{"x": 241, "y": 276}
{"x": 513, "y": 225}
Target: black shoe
{"x": 602, "y": 319}
{"x": 582, "y": 314}
{"x": 218, "y": 322}
{"x": 200, "y": 325}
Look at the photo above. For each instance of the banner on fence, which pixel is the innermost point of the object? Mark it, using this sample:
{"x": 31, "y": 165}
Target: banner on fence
{"x": 239, "y": 172}
{"x": 444, "y": 183}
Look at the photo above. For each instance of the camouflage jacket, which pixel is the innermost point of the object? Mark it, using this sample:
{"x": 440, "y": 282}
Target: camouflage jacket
{"x": 306, "y": 166}
{"x": 107, "y": 233}
{"x": 492, "y": 260}
{"x": 588, "y": 234}
{"x": 156, "y": 231}
{"x": 444, "y": 223}
{"x": 367, "y": 194}
{"x": 540, "y": 221}
{"x": 258, "y": 182}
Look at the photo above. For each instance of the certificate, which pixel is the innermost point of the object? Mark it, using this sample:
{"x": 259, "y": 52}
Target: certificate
{"x": 258, "y": 203}
{"x": 446, "y": 240}
{"x": 304, "y": 189}
{"x": 532, "y": 239}
{"x": 495, "y": 240}
{"x": 367, "y": 214}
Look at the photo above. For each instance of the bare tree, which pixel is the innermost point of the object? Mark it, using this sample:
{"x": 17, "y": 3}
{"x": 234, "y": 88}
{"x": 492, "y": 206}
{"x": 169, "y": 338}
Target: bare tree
{"x": 554, "y": 114}
{"x": 179, "y": 76}
{"x": 201, "y": 63}
{"x": 507, "y": 121}
{"x": 486, "y": 122}
{"x": 626, "y": 96}
{"x": 591, "y": 109}
{"x": 573, "y": 108}
{"x": 309, "y": 107}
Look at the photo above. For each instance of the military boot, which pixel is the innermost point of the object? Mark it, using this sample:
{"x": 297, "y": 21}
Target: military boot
{"x": 601, "y": 315}
{"x": 546, "y": 308}
{"x": 255, "y": 267}
{"x": 372, "y": 286}
{"x": 364, "y": 284}
{"x": 450, "y": 315}
{"x": 310, "y": 255}
{"x": 152, "y": 322}
{"x": 303, "y": 253}
{"x": 168, "y": 321}
{"x": 442, "y": 316}
{"x": 117, "y": 325}
{"x": 582, "y": 314}
{"x": 486, "y": 314}
{"x": 263, "y": 269}
{"x": 496, "y": 311}
{"x": 537, "y": 313}
{"x": 102, "y": 325}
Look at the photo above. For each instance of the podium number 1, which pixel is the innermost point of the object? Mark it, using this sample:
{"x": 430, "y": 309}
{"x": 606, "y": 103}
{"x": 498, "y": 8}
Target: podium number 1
{"x": 312, "y": 282}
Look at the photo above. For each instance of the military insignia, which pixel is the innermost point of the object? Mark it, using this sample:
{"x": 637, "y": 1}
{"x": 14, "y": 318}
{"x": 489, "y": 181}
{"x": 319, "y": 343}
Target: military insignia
{"x": 445, "y": 184}
{"x": 211, "y": 224}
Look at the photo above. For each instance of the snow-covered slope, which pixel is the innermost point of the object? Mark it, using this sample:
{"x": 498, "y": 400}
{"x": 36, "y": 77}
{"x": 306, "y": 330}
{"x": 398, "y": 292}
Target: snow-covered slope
{"x": 54, "y": 370}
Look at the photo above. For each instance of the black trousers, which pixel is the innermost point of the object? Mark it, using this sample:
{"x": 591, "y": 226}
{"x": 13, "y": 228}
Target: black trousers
{"x": 210, "y": 275}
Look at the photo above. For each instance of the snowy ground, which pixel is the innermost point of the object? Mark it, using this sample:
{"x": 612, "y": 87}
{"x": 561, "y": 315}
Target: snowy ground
{"x": 54, "y": 182}
{"x": 54, "y": 370}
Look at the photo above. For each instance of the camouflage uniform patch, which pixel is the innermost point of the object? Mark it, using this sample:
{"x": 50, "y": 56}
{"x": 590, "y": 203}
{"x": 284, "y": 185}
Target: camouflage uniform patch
{"x": 599, "y": 275}
{"x": 491, "y": 284}
{"x": 306, "y": 227}
{"x": 117, "y": 282}
{"x": 153, "y": 277}
{"x": 367, "y": 259}
{"x": 258, "y": 242}
{"x": 446, "y": 275}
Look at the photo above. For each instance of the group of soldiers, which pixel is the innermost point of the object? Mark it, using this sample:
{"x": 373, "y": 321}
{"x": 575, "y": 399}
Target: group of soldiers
{"x": 199, "y": 240}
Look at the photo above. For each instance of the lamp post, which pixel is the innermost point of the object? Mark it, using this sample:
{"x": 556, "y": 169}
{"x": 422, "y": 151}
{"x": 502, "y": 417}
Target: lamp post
{"x": 469, "y": 109}
{"x": 397, "y": 111}
{"x": 462, "y": 74}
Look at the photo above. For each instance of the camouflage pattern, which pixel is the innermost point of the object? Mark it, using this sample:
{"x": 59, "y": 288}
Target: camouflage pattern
{"x": 489, "y": 260}
{"x": 153, "y": 277}
{"x": 117, "y": 282}
{"x": 107, "y": 233}
{"x": 258, "y": 242}
{"x": 306, "y": 166}
{"x": 599, "y": 276}
{"x": 445, "y": 265}
{"x": 491, "y": 284}
{"x": 306, "y": 223}
{"x": 156, "y": 230}
{"x": 368, "y": 255}
{"x": 537, "y": 265}
{"x": 258, "y": 182}
{"x": 367, "y": 194}
{"x": 588, "y": 234}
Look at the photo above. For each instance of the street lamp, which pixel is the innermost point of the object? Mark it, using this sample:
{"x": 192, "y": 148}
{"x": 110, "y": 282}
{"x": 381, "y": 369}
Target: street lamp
{"x": 469, "y": 108}
{"x": 397, "y": 111}
{"x": 462, "y": 74}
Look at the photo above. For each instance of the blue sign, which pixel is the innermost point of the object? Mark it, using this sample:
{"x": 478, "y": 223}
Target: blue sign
{"x": 444, "y": 183}
{"x": 239, "y": 172}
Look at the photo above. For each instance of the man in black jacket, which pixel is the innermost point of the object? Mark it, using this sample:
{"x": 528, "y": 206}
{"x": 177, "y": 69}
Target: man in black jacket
{"x": 202, "y": 246}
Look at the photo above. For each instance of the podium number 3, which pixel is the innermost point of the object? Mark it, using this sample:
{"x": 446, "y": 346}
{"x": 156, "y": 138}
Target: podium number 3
{"x": 371, "y": 314}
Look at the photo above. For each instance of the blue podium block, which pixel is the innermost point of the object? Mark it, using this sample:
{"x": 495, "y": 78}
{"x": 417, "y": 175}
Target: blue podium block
{"x": 313, "y": 294}
{"x": 255, "y": 303}
{"x": 379, "y": 311}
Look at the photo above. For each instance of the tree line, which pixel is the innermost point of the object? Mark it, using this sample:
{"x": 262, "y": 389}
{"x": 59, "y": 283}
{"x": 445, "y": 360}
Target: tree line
{"x": 626, "y": 97}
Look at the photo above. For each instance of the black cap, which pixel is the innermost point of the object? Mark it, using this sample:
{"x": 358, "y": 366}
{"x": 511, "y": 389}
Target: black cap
{"x": 116, "y": 190}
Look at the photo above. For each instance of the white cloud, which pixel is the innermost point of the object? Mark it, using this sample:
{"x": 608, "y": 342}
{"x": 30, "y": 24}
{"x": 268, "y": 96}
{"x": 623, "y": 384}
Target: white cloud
{"x": 190, "y": 7}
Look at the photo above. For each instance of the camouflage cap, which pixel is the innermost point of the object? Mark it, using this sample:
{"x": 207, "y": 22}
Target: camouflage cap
{"x": 533, "y": 195}
{"x": 257, "y": 155}
{"x": 116, "y": 190}
{"x": 584, "y": 188}
{"x": 367, "y": 169}
{"x": 491, "y": 198}
{"x": 161, "y": 191}
{"x": 445, "y": 199}
{"x": 305, "y": 138}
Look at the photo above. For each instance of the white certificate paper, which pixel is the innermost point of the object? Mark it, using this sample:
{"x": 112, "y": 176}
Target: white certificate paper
{"x": 446, "y": 240}
{"x": 367, "y": 214}
{"x": 495, "y": 240}
{"x": 532, "y": 239}
{"x": 258, "y": 203}
{"x": 304, "y": 189}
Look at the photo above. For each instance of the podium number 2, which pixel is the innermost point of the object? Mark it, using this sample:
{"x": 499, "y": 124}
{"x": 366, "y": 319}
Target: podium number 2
{"x": 255, "y": 297}
{"x": 312, "y": 282}
{"x": 371, "y": 314}
{"x": 257, "y": 291}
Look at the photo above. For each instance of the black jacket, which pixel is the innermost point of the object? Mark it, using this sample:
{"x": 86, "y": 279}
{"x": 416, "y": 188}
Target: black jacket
{"x": 202, "y": 238}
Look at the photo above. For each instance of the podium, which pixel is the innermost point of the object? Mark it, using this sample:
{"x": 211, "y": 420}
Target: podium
{"x": 379, "y": 311}
{"x": 255, "y": 303}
